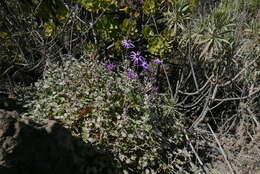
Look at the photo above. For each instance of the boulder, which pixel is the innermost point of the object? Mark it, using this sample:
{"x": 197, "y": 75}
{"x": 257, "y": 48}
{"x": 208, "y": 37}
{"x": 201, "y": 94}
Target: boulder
{"x": 30, "y": 147}
{"x": 46, "y": 147}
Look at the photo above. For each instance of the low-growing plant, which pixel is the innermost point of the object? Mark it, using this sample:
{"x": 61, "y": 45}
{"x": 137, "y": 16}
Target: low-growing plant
{"x": 107, "y": 107}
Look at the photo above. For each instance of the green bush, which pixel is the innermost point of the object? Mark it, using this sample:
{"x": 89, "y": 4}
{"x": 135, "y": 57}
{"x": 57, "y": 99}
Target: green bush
{"x": 114, "y": 112}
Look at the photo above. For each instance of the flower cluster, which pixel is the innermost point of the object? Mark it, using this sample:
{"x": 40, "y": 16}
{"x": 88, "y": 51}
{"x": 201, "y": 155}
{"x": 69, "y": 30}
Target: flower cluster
{"x": 135, "y": 57}
{"x": 110, "y": 66}
{"x": 131, "y": 74}
{"x": 127, "y": 44}
{"x": 158, "y": 61}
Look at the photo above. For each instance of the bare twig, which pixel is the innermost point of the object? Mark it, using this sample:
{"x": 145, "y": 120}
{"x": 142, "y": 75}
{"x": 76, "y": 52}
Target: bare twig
{"x": 199, "y": 90}
{"x": 222, "y": 150}
{"x": 197, "y": 101}
{"x": 178, "y": 84}
{"x": 191, "y": 64}
{"x": 238, "y": 74}
{"x": 238, "y": 98}
{"x": 193, "y": 150}
{"x": 6, "y": 71}
{"x": 205, "y": 109}
{"x": 169, "y": 84}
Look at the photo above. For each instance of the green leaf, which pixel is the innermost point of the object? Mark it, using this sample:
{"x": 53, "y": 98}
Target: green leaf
{"x": 128, "y": 26}
{"x": 206, "y": 48}
{"x": 149, "y": 6}
{"x": 108, "y": 28}
{"x": 158, "y": 45}
{"x": 147, "y": 31}
{"x": 98, "y": 5}
{"x": 49, "y": 28}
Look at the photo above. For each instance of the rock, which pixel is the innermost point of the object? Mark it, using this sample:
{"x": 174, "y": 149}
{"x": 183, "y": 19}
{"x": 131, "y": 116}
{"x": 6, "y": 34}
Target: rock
{"x": 46, "y": 147}
{"x": 30, "y": 147}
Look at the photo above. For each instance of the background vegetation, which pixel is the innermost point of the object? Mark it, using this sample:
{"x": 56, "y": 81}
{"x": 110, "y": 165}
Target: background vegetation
{"x": 198, "y": 111}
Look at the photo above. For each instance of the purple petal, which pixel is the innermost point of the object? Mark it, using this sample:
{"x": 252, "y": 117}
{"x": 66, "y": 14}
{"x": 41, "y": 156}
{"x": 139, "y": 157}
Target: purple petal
{"x": 110, "y": 66}
{"x": 135, "y": 54}
{"x": 158, "y": 61}
{"x": 131, "y": 74}
{"x": 127, "y": 44}
{"x": 145, "y": 65}
{"x": 136, "y": 57}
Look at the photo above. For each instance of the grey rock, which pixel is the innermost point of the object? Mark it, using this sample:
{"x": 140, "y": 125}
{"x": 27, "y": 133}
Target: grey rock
{"x": 30, "y": 147}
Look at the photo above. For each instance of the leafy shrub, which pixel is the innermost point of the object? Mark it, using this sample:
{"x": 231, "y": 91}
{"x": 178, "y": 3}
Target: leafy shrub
{"x": 114, "y": 112}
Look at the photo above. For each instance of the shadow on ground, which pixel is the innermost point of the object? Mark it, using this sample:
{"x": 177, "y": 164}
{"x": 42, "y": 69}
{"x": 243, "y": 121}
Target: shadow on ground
{"x": 29, "y": 147}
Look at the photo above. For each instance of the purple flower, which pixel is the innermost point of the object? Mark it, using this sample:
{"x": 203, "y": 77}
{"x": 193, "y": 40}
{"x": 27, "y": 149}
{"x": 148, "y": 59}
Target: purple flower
{"x": 127, "y": 44}
{"x": 158, "y": 61}
{"x": 66, "y": 44}
{"x": 110, "y": 66}
{"x": 131, "y": 74}
{"x": 136, "y": 57}
{"x": 155, "y": 88}
{"x": 145, "y": 65}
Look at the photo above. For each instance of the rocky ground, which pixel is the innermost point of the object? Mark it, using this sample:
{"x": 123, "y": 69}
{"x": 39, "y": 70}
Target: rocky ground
{"x": 28, "y": 147}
